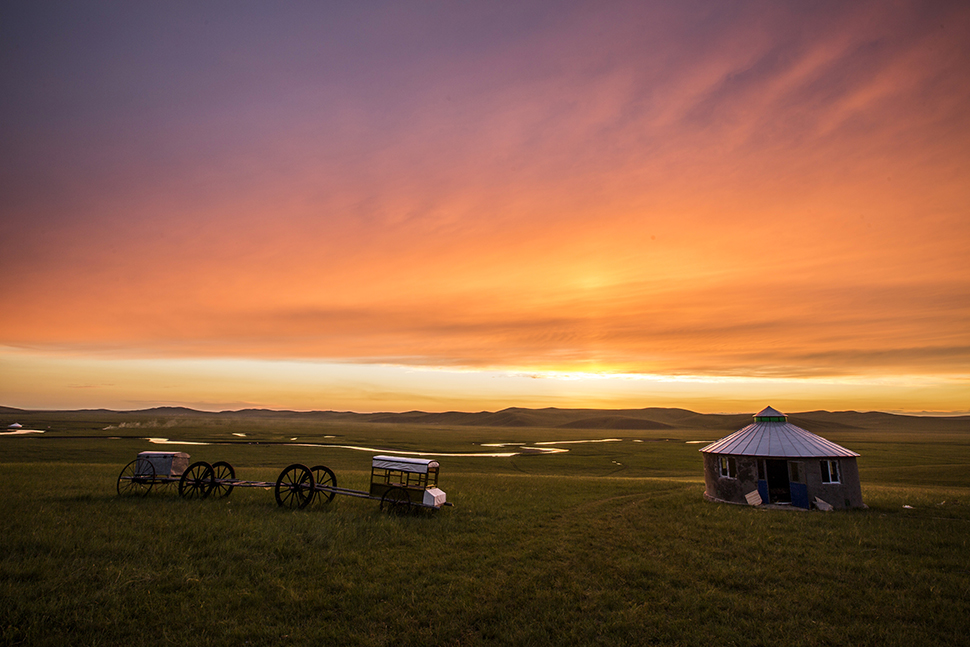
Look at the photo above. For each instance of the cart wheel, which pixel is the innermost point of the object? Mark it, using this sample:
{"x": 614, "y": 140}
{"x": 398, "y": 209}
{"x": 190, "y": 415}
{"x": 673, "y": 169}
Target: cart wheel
{"x": 137, "y": 478}
{"x": 197, "y": 481}
{"x": 294, "y": 487}
{"x": 323, "y": 475}
{"x": 396, "y": 501}
{"x": 223, "y": 472}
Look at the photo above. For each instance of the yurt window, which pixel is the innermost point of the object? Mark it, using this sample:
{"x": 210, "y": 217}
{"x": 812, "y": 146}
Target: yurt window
{"x": 794, "y": 471}
{"x": 830, "y": 471}
{"x": 729, "y": 467}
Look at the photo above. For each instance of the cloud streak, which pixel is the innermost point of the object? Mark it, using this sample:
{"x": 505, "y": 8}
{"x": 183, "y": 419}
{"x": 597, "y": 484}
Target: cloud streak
{"x": 708, "y": 189}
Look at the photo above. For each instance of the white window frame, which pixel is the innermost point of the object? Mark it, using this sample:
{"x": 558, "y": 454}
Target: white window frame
{"x": 728, "y": 466}
{"x": 828, "y": 468}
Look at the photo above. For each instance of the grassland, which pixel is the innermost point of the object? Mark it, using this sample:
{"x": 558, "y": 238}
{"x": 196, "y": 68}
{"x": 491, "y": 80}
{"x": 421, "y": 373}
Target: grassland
{"x": 608, "y": 544}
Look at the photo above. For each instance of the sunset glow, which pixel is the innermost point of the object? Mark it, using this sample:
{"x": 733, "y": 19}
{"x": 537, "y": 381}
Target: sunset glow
{"x": 471, "y": 206}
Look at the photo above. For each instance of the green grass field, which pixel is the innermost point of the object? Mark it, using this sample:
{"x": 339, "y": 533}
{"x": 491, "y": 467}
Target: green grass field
{"x": 608, "y": 544}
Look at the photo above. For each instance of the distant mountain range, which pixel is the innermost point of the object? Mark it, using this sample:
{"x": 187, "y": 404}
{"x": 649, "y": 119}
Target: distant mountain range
{"x": 653, "y": 418}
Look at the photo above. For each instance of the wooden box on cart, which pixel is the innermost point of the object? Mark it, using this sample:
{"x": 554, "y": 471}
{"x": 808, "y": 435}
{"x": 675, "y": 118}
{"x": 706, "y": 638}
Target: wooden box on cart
{"x": 419, "y": 476}
{"x": 166, "y": 463}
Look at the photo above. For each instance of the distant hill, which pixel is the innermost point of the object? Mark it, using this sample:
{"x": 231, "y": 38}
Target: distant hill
{"x": 10, "y": 410}
{"x": 171, "y": 411}
{"x": 652, "y": 418}
{"x": 614, "y": 422}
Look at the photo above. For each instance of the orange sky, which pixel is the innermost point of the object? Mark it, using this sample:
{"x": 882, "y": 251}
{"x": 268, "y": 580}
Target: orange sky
{"x": 414, "y": 206}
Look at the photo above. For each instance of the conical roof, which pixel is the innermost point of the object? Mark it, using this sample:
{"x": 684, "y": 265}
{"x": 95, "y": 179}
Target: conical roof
{"x": 772, "y": 436}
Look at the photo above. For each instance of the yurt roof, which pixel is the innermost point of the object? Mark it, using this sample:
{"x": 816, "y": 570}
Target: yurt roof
{"x": 772, "y": 436}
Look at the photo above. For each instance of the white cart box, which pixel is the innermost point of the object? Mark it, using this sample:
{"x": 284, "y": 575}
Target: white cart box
{"x": 434, "y": 497}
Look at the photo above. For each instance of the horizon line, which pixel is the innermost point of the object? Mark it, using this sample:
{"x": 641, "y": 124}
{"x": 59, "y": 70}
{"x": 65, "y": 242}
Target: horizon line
{"x": 915, "y": 414}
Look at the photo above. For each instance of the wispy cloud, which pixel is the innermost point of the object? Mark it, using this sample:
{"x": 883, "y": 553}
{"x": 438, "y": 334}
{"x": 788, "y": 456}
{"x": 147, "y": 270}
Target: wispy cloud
{"x": 745, "y": 189}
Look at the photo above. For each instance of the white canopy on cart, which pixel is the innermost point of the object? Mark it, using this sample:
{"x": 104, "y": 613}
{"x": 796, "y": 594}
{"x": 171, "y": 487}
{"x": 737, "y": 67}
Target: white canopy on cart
{"x": 416, "y": 465}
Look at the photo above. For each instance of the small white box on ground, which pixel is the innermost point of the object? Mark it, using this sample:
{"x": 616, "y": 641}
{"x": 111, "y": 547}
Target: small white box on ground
{"x": 434, "y": 496}
{"x": 822, "y": 505}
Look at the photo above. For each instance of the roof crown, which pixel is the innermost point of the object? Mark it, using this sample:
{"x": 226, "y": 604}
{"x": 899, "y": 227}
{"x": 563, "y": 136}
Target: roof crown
{"x": 770, "y": 414}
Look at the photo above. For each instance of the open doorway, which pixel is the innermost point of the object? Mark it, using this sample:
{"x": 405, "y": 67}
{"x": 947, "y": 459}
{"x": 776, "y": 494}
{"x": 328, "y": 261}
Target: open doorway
{"x": 779, "y": 487}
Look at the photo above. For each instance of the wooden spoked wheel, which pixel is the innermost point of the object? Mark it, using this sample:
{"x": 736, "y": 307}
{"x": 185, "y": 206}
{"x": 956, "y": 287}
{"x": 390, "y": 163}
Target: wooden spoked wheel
{"x": 137, "y": 478}
{"x": 396, "y": 501}
{"x": 294, "y": 487}
{"x": 323, "y": 475}
{"x": 223, "y": 472}
{"x": 197, "y": 481}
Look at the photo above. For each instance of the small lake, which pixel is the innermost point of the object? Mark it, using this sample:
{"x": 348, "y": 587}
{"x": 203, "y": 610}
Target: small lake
{"x": 544, "y": 447}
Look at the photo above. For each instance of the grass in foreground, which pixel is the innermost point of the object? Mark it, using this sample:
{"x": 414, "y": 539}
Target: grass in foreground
{"x": 537, "y": 551}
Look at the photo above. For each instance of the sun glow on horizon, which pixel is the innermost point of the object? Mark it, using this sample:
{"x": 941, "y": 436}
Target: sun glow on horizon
{"x": 230, "y": 384}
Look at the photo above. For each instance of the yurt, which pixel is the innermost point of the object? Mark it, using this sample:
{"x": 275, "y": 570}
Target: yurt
{"x": 771, "y": 461}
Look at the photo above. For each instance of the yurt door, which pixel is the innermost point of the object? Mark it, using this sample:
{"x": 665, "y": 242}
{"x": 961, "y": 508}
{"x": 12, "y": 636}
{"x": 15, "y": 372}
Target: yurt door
{"x": 796, "y": 482}
{"x": 779, "y": 488}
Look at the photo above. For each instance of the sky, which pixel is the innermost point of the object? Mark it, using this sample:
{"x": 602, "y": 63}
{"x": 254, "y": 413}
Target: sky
{"x": 388, "y": 206}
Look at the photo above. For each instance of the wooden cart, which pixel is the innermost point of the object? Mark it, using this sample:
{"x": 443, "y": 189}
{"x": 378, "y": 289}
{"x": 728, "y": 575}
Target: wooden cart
{"x": 400, "y": 484}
